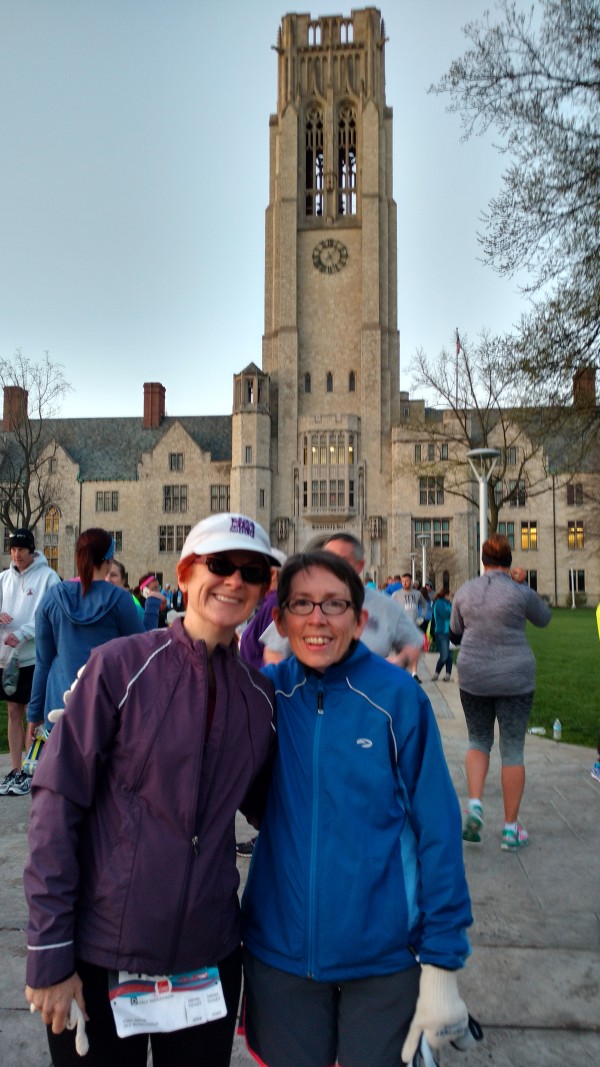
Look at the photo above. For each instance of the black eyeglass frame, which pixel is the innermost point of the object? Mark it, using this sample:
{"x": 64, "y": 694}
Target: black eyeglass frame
{"x": 318, "y": 604}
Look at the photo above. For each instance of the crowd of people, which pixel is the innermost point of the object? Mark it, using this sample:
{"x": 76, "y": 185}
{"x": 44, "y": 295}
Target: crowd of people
{"x": 287, "y": 689}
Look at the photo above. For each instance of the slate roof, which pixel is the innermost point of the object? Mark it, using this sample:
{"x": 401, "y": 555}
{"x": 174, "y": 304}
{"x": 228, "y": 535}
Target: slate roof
{"x": 110, "y": 449}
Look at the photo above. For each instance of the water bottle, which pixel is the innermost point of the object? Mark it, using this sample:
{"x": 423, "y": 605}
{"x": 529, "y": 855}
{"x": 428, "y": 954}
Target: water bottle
{"x": 557, "y": 730}
{"x": 10, "y": 674}
{"x": 31, "y": 759}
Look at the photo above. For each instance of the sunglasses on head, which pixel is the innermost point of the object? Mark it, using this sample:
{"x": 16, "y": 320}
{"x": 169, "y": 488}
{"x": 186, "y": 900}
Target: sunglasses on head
{"x": 252, "y": 573}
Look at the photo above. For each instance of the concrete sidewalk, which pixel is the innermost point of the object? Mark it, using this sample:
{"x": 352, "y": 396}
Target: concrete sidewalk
{"x": 533, "y": 980}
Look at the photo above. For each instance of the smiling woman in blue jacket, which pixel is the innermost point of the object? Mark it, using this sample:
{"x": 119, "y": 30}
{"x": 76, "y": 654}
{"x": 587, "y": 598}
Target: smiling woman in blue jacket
{"x": 356, "y": 904}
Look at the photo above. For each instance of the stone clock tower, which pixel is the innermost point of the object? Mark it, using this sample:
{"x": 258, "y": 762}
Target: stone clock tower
{"x": 331, "y": 345}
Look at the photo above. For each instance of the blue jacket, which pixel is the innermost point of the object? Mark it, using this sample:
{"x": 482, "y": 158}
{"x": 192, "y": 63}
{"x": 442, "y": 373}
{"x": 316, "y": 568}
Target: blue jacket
{"x": 442, "y": 610}
{"x": 68, "y": 626}
{"x": 358, "y": 864}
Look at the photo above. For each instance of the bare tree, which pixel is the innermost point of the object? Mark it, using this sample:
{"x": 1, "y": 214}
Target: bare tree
{"x": 32, "y": 396}
{"x": 481, "y": 408}
{"x": 534, "y": 78}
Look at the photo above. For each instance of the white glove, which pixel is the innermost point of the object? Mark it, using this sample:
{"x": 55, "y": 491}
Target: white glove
{"x": 440, "y": 1013}
{"x": 57, "y": 713}
{"x": 77, "y": 1020}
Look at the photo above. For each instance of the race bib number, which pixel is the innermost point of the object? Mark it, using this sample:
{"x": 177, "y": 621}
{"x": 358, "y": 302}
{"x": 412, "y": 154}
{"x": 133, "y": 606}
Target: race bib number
{"x": 144, "y": 1003}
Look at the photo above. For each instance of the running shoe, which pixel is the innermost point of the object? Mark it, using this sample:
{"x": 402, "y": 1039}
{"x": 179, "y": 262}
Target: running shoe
{"x": 595, "y": 772}
{"x": 514, "y": 839}
{"x": 20, "y": 785}
{"x": 472, "y": 824}
{"x": 7, "y": 782}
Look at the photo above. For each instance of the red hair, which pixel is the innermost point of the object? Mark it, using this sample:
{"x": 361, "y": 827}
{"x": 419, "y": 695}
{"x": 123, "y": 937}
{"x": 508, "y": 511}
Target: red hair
{"x": 184, "y": 568}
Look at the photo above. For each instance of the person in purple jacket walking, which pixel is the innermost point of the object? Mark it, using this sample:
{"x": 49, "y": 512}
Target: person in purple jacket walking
{"x": 131, "y": 880}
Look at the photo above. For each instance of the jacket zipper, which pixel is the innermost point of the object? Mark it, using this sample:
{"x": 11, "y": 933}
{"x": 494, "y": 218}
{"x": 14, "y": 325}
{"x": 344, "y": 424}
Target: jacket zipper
{"x": 194, "y": 851}
{"x": 312, "y": 881}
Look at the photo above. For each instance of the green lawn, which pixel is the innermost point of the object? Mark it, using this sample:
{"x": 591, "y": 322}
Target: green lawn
{"x": 568, "y": 677}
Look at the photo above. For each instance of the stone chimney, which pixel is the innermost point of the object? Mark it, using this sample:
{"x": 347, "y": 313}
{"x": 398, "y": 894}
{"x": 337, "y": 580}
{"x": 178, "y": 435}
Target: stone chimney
{"x": 154, "y": 405}
{"x": 584, "y": 388}
{"x": 15, "y": 406}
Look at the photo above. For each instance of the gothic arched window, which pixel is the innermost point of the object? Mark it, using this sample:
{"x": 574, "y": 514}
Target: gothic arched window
{"x": 329, "y": 382}
{"x": 346, "y": 174}
{"x": 314, "y": 162}
{"x": 351, "y": 382}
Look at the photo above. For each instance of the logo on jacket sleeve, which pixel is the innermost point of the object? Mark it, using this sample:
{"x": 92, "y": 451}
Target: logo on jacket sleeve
{"x": 364, "y": 742}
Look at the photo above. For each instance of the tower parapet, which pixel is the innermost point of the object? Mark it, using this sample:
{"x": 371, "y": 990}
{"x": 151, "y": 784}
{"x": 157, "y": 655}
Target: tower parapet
{"x": 344, "y": 54}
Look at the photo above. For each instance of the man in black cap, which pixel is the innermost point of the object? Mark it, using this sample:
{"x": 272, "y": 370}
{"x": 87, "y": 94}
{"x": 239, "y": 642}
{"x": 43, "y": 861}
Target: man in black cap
{"x": 22, "y": 587}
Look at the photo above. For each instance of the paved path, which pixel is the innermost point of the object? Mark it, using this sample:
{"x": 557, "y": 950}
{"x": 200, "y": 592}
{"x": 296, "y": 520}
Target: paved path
{"x": 533, "y": 980}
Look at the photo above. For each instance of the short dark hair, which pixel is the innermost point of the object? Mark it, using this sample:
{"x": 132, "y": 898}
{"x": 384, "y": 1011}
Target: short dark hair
{"x": 348, "y": 539}
{"x": 337, "y": 566}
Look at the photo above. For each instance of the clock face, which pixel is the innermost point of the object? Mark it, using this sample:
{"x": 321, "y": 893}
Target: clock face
{"x": 330, "y": 256}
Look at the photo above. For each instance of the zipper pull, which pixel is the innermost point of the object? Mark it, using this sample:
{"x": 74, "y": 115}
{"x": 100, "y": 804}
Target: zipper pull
{"x": 196, "y": 845}
{"x": 320, "y": 702}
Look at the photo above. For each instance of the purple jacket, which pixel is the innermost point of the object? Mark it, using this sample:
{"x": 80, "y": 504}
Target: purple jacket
{"x": 132, "y": 834}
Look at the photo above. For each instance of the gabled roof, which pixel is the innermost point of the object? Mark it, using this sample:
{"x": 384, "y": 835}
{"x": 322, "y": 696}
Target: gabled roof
{"x": 110, "y": 449}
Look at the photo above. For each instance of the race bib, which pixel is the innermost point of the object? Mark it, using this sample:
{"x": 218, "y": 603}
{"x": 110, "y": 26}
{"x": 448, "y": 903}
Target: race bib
{"x": 144, "y": 1003}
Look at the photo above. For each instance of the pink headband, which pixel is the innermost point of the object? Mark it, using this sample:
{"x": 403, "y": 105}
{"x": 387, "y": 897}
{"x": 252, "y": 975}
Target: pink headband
{"x": 150, "y": 578}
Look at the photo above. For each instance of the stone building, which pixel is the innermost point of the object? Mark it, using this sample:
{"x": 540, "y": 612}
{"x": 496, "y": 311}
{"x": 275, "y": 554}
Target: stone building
{"x": 321, "y": 437}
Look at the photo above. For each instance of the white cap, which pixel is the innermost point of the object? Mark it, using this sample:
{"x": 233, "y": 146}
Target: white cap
{"x": 228, "y": 533}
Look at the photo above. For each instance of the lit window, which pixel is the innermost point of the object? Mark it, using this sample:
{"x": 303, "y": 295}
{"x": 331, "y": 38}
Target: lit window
{"x": 529, "y": 536}
{"x": 575, "y": 534}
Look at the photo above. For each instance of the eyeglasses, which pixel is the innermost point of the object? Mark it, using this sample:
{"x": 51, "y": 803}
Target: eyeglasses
{"x": 251, "y": 573}
{"x": 302, "y": 606}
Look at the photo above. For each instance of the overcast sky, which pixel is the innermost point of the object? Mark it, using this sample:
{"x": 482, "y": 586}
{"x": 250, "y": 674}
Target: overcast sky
{"x": 134, "y": 181}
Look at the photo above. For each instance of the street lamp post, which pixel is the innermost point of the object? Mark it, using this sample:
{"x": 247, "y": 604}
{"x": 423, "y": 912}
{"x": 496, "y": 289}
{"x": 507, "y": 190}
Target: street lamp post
{"x": 424, "y": 538}
{"x": 413, "y": 560}
{"x": 483, "y": 461}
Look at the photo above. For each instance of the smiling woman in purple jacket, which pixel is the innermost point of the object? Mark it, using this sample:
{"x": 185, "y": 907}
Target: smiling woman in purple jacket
{"x": 131, "y": 879}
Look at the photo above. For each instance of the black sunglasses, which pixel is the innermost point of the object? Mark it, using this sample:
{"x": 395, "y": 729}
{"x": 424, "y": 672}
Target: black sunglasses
{"x": 252, "y": 573}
